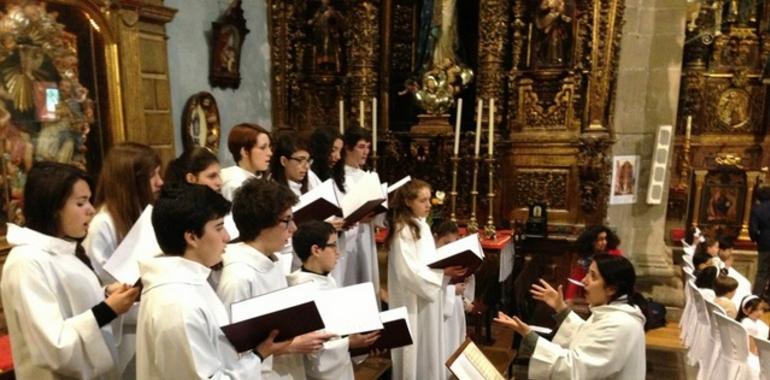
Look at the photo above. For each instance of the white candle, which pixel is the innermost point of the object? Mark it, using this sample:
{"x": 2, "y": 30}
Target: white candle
{"x": 457, "y": 126}
{"x": 688, "y": 131}
{"x": 479, "y": 113}
{"x": 361, "y": 113}
{"x": 374, "y": 124}
{"x": 342, "y": 116}
{"x": 491, "y": 126}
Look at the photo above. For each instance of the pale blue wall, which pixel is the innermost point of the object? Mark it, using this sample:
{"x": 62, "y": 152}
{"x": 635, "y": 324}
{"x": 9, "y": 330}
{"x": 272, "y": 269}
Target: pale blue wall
{"x": 188, "y": 54}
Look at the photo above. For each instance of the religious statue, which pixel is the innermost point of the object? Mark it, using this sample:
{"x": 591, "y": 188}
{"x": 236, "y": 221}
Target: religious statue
{"x": 441, "y": 74}
{"x": 554, "y": 24}
{"x": 327, "y": 26}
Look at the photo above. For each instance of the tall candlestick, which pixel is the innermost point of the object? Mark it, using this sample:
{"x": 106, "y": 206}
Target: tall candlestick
{"x": 689, "y": 128}
{"x": 479, "y": 113}
{"x": 529, "y": 46}
{"x": 491, "y": 139}
{"x": 342, "y": 116}
{"x": 361, "y": 113}
{"x": 374, "y": 124}
{"x": 456, "y": 150}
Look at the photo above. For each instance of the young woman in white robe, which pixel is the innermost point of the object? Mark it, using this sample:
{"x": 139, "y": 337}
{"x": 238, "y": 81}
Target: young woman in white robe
{"x": 610, "y": 344}
{"x": 129, "y": 181}
{"x": 262, "y": 213}
{"x": 412, "y": 284}
{"x": 180, "y": 316}
{"x": 55, "y": 309}
{"x": 249, "y": 145}
{"x": 316, "y": 244}
{"x": 198, "y": 166}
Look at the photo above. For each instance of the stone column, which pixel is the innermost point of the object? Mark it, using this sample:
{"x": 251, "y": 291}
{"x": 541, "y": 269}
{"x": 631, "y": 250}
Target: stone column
{"x": 647, "y": 96}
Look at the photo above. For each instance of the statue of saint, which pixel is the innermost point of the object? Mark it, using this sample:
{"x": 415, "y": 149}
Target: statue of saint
{"x": 554, "y": 23}
{"x": 327, "y": 26}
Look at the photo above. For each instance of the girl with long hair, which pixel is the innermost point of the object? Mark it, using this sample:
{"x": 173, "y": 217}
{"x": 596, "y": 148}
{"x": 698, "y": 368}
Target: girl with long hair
{"x": 594, "y": 240}
{"x": 290, "y": 163}
{"x": 610, "y": 344}
{"x": 326, "y": 149}
{"x": 197, "y": 166}
{"x": 414, "y": 285}
{"x": 750, "y": 316}
{"x": 58, "y": 317}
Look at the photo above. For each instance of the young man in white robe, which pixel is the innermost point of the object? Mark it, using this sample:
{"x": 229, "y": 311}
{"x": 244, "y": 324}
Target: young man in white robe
{"x": 179, "y": 334}
{"x": 249, "y": 144}
{"x": 262, "y": 213}
{"x": 359, "y": 263}
{"x": 315, "y": 243}
{"x": 412, "y": 284}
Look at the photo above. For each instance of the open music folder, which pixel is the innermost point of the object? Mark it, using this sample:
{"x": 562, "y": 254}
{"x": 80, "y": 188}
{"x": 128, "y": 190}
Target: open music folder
{"x": 292, "y": 311}
{"x": 466, "y": 252}
{"x": 469, "y": 363}
{"x": 395, "y": 332}
{"x": 389, "y": 191}
{"x": 362, "y": 199}
{"x": 318, "y": 204}
{"x": 139, "y": 243}
{"x": 349, "y": 310}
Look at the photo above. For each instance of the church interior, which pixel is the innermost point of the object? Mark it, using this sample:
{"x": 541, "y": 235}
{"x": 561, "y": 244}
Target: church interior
{"x": 532, "y": 120}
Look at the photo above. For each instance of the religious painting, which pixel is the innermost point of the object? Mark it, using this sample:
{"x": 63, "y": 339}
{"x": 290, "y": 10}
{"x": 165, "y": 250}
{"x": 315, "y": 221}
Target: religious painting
{"x": 326, "y": 30}
{"x": 733, "y": 108}
{"x": 200, "y": 122}
{"x": 226, "y": 41}
{"x": 45, "y": 112}
{"x": 625, "y": 180}
{"x": 723, "y": 199}
{"x": 552, "y": 33}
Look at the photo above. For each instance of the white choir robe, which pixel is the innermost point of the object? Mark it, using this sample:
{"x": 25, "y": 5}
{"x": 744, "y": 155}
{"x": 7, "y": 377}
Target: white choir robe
{"x": 247, "y": 273}
{"x": 608, "y": 345}
{"x": 47, "y": 295}
{"x": 359, "y": 249}
{"x": 232, "y": 179}
{"x": 312, "y": 180}
{"x": 179, "y": 334}
{"x": 100, "y": 243}
{"x": 333, "y": 361}
{"x": 744, "y": 287}
{"x": 454, "y": 323}
{"x": 419, "y": 288}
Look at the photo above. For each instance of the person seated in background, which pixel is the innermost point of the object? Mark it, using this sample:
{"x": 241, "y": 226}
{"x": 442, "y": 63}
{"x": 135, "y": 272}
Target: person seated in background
{"x": 692, "y": 237}
{"x": 724, "y": 289}
{"x": 610, "y": 344}
{"x": 705, "y": 282}
{"x": 726, "y": 256}
{"x": 594, "y": 240}
{"x": 750, "y": 316}
{"x": 315, "y": 243}
{"x": 701, "y": 261}
{"x": 710, "y": 247}
{"x": 179, "y": 334}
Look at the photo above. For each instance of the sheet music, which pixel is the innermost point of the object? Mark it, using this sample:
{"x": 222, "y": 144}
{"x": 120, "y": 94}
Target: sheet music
{"x": 367, "y": 189}
{"x": 472, "y": 364}
{"x": 325, "y": 190}
{"x": 230, "y": 226}
{"x": 349, "y": 310}
{"x": 271, "y": 302}
{"x": 139, "y": 243}
{"x": 468, "y": 243}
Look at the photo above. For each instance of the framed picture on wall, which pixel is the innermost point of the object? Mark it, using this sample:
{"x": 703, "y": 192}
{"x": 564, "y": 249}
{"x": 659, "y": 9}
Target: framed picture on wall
{"x": 227, "y": 36}
{"x": 625, "y": 180}
{"x": 200, "y": 122}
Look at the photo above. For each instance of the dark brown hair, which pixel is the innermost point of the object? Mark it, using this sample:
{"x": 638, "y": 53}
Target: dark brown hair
{"x": 48, "y": 186}
{"x": 243, "y": 136}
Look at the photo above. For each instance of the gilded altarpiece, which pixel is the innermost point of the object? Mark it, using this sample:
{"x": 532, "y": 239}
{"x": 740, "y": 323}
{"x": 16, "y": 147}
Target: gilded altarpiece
{"x": 722, "y": 122}
{"x": 550, "y": 65}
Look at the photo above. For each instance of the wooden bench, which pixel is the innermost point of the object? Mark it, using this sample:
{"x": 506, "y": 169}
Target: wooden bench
{"x": 372, "y": 368}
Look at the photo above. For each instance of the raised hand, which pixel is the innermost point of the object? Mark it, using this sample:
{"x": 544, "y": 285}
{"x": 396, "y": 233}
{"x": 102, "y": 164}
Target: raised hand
{"x": 546, "y": 293}
{"x": 513, "y": 323}
{"x": 269, "y": 346}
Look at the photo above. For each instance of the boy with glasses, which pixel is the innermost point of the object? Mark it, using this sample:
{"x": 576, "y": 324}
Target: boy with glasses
{"x": 262, "y": 213}
{"x": 315, "y": 243}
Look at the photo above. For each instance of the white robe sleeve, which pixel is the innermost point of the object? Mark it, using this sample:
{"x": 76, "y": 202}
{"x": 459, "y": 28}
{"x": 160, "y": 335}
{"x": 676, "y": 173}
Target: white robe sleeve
{"x": 72, "y": 346}
{"x": 233, "y": 286}
{"x": 601, "y": 356}
{"x": 100, "y": 244}
{"x": 449, "y": 299}
{"x": 414, "y": 274}
{"x": 332, "y": 362}
{"x": 187, "y": 352}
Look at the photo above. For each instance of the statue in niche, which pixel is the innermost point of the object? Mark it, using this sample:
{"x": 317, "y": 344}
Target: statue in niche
{"x": 554, "y": 38}
{"x": 327, "y": 26}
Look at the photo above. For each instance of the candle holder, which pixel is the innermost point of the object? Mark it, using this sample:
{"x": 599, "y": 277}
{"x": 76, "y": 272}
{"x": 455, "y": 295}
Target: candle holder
{"x": 453, "y": 194}
{"x": 684, "y": 169}
{"x": 473, "y": 225}
{"x": 374, "y": 161}
{"x": 489, "y": 230}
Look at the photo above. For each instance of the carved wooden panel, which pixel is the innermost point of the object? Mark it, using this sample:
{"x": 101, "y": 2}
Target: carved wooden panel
{"x": 540, "y": 185}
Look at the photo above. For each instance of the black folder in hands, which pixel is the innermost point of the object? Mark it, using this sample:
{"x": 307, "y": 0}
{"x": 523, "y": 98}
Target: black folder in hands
{"x": 292, "y": 311}
{"x": 395, "y": 332}
{"x": 317, "y": 204}
{"x": 466, "y": 252}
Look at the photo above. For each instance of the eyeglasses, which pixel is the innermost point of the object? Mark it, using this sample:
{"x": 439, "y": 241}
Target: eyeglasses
{"x": 287, "y": 221}
{"x": 328, "y": 244}
{"x": 302, "y": 160}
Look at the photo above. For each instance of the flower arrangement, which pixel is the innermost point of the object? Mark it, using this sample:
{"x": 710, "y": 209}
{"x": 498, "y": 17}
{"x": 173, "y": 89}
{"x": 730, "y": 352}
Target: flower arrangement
{"x": 436, "y": 210}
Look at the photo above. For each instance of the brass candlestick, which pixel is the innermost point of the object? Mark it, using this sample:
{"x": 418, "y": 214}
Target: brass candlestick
{"x": 453, "y": 194}
{"x": 473, "y": 225}
{"x": 684, "y": 168}
{"x": 489, "y": 230}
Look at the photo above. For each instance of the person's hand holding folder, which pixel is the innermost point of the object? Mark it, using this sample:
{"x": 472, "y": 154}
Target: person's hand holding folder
{"x": 363, "y": 340}
{"x": 456, "y": 271}
{"x": 121, "y": 297}
{"x": 308, "y": 343}
{"x": 269, "y": 346}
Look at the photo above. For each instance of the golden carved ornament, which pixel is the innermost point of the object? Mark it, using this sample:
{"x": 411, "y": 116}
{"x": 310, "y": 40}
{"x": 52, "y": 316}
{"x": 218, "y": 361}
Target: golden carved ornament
{"x": 729, "y": 159}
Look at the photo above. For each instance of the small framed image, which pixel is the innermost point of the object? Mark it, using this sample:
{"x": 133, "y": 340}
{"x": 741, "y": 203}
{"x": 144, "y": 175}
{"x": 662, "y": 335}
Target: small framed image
{"x": 625, "y": 180}
{"x": 200, "y": 122}
{"x": 227, "y": 34}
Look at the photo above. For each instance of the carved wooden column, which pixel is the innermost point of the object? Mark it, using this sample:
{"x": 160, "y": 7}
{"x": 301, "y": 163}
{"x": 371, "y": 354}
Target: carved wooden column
{"x": 700, "y": 180}
{"x": 364, "y": 58}
{"x": 607, "y": 27}
{"x": 278, "y": 26}
{"x": 493, "y": 39}
{"x": 751, "y": 182}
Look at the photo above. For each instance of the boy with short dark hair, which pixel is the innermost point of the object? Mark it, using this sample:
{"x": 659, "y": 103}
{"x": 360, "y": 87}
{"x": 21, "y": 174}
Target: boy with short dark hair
{"x": 315, "y": 243}
{"x": 179, "y": 333}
